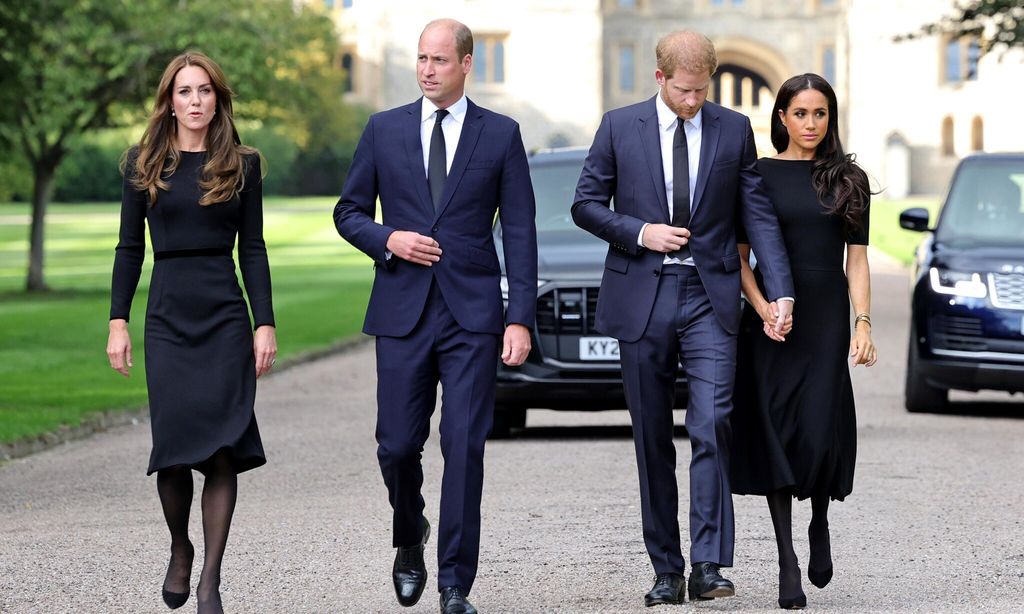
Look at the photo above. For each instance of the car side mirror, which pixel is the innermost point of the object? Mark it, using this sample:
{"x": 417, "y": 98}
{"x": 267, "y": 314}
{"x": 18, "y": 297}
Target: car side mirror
{"x": 915, "y": 218}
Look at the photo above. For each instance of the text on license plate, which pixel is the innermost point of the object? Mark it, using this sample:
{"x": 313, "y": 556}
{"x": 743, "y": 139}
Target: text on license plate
{"x": 599, "y": 348}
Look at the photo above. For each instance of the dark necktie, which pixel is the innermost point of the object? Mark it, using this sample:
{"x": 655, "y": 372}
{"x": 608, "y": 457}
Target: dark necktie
{"x": 437, "y": 161}
{"x": 680, "y": 185}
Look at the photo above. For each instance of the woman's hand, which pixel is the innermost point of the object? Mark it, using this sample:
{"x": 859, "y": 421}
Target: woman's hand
{"x": 264, "y": 346}
{"x": 769, "y": 313}
{"x": 862, "y": 349}
{"x": 119, "y": 347}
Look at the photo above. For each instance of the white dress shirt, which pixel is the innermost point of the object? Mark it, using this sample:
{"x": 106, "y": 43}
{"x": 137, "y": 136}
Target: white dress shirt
{"x": 666, "y": 131}
{"x": 451, "y": 127}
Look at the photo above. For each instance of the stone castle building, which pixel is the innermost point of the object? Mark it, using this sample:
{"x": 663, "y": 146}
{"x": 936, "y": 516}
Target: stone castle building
{"x": 910, "y": 110}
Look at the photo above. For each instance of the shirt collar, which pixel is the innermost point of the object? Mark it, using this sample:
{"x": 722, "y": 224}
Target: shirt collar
{"x": 667, "y": 118}
{"x": 457, "y": 110}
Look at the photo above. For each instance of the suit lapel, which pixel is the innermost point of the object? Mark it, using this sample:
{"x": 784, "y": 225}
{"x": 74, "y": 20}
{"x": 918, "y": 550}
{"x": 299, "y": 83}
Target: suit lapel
{"x": 414, "y": 148}
{"x": 651, "y": 140}
{"x": 471, "y": 128}
{"x": 708, "y": 148}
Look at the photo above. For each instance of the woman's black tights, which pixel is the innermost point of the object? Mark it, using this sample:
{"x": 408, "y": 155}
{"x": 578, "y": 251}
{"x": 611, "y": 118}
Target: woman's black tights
{"x": 220, "y": 491}
{"x": 780, "y": 504}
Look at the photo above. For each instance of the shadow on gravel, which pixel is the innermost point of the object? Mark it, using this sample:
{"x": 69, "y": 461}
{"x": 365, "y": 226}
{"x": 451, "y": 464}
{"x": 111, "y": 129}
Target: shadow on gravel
{"x": 573, "y": 433}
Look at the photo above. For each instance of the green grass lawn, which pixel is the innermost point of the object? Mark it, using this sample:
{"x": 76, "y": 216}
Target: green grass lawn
{"x": 53, "y": 368}
{"x": 53, "y": 365}
{"x": 886, "y": 233}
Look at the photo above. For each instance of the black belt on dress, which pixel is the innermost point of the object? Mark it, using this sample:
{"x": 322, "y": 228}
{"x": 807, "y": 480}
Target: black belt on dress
{"x": 192, "y": 253}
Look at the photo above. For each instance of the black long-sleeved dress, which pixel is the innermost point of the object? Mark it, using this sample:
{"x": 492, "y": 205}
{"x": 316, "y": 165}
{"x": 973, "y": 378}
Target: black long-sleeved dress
{"x": 200, "y": 367}
{"x": 794, "y": 421}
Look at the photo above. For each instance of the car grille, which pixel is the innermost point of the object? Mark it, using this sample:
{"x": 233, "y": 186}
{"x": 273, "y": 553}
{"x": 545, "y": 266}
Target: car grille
{"x": 958, "y": 333}
{"x": 567, "y": 311}
{"x": 1007, "y": 290}
{"x": 957, "y": 325}
{"x": 966, "y": 334}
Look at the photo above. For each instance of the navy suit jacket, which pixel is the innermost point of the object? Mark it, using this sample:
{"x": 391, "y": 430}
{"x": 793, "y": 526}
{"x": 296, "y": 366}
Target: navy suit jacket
{"x": 625, "y": 163}
{"x": 489, "y": 175}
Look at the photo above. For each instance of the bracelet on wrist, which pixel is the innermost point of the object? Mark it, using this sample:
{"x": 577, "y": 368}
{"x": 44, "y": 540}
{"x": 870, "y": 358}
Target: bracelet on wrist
{"x": 862, "y": 317}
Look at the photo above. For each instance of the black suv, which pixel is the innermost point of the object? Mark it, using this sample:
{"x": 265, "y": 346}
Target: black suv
{"x": 571, "y": 366}
{"x": 967, "y": 315}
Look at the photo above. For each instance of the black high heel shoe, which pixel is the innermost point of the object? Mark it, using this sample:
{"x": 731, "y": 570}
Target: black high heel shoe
{"x": 796, "y": 602}
{"x": 821, "y": 545}
{"x": 819, "y": 578}
{"x": 172, "y": 599}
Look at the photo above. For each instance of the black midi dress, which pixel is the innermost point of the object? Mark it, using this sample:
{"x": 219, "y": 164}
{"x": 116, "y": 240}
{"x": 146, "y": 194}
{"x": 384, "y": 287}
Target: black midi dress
{"x": 200, "y": 366}
{"x": 794, "y": 421}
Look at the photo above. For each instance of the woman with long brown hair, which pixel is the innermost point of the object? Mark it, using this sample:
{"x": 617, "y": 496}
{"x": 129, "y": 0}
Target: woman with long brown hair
{"x": 198, "y": 188}
{"x": 794, "y": 422}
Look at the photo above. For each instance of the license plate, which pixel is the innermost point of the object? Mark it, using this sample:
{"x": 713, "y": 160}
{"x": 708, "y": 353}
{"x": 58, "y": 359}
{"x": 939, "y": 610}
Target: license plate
{"x": 599, "y": 348}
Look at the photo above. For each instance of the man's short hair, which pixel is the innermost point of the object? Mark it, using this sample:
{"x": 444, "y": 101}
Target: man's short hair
{"x": 463, "y": 35}
{"x": 689, "y": 51}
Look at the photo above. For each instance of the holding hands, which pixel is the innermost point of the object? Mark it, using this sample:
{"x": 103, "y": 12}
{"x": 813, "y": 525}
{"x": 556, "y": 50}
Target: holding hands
{"x": 414, "y": 247}
{"x": 778, "y": 319}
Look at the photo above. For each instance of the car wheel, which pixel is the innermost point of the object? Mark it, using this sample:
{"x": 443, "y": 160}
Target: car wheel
{"x": 918, "y": 394}
{"x": 506, "y": 418}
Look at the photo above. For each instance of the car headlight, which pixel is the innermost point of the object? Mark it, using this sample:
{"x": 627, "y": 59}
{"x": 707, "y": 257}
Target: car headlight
{"x": 503, "y": 284}
{"x": 967, "y": 285}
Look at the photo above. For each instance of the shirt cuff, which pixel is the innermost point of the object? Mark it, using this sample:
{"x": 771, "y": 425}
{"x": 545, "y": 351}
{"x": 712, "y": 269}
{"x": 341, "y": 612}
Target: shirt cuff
{"x": 786, "y": 298}
{"x": 640, "y": 237}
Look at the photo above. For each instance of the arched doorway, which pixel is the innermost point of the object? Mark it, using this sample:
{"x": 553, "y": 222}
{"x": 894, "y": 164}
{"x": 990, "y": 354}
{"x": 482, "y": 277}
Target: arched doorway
{"x": 749, "y": 73}
{"x": 747, "y": 91}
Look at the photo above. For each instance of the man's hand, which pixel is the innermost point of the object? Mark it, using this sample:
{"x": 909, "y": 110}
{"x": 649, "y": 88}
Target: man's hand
{"x": 414, "y": 247}
{"x": 664, "y": 238}
{"x": 769, "y": 313}
{"x": 784, "y": 311}
{"x": 516, "y": 345}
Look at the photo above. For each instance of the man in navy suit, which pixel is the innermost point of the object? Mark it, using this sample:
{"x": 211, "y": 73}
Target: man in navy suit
{"x": 681, "y": 172}
{"x": 441, "y": 167}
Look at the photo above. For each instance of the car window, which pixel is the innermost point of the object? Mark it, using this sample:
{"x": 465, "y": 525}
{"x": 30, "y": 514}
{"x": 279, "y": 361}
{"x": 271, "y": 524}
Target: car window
{"x": 985, "y": 204}
{"x": 554, "y": 185}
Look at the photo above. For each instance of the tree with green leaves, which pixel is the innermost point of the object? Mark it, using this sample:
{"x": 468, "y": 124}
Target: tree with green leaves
{"x": 72, "y": 66}
{"x": 996, "y": 24}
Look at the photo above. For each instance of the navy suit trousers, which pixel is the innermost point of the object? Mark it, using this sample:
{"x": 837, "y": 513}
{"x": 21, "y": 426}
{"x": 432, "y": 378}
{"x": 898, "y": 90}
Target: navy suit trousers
{"x": 408, "y": 371}
{"x": 683, "y": 329}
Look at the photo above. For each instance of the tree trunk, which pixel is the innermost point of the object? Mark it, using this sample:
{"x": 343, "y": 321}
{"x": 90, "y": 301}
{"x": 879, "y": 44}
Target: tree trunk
{"x": 41, "y": 193}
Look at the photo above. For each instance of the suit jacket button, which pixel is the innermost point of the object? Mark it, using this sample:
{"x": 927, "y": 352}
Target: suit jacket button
{"x": 434, "y": 229}
{"x": 657, "y": 272}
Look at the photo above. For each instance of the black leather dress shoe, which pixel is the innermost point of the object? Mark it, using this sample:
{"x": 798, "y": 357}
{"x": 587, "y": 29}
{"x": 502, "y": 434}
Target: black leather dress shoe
{"x": 454, "y": 601}
{"x": 707, "y": 583}
{"x": 667, "y": 589}
{"x": 410, "y": 573}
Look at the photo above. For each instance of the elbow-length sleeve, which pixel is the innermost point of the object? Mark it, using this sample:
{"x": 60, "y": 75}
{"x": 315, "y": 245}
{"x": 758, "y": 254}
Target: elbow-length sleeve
{"x": 252, "y": 250}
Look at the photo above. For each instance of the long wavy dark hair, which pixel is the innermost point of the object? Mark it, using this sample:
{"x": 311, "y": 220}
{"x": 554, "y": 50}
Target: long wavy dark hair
{"x": 841, "y": 184}
{"x": 157, "y": 156}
